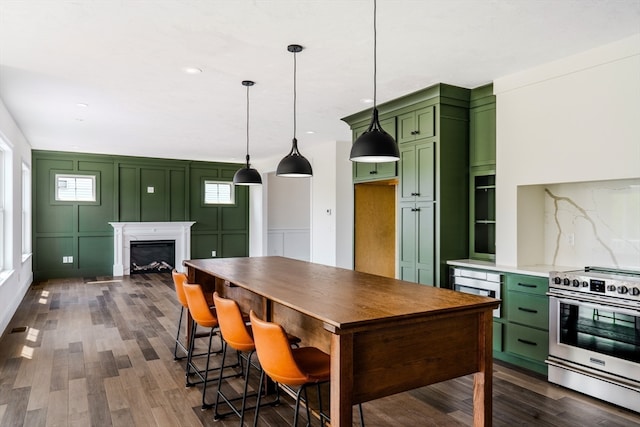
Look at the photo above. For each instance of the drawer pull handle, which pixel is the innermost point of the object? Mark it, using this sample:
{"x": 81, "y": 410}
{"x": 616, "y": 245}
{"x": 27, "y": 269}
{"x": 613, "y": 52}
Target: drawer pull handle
{"x": 526, "y": 285}
{"x": 527, "y": 342}
{"x": 527, "y": 310}
{"x": 415, "y": 209}
{"x": 373, "y": 172}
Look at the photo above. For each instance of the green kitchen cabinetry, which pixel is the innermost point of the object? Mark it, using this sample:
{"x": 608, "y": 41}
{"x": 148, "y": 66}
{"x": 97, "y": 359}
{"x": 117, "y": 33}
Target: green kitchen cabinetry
{"x": 374, "y": 171}
{"x": 417, "y": 242}
{"x": 433, "y": 181}
{"x": 416, "y": 125}
{"x": 417, "y": 174}
{"x": 526, "y": 312}
{"x": 482, "y": 173}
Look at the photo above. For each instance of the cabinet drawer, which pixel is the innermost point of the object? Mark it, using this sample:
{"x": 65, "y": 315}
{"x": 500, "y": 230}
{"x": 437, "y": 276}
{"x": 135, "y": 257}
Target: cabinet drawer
{"x": 531, "y": 284}
{"x": 528, "y": 309}
{"x": 527, "y": 342}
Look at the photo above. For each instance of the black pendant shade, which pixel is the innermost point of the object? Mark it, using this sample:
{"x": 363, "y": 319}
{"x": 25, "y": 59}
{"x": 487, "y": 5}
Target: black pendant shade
{"x": 247, "y": 175}
{"x": 374, "y": 145}
{"x": 294, "y": 164}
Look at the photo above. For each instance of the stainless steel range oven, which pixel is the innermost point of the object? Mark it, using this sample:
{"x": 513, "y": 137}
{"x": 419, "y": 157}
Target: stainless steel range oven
{"x": 594, "y": 333}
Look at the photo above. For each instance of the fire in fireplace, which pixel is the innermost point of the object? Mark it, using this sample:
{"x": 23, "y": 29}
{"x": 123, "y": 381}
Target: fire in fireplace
{"x": 153, "y": 256}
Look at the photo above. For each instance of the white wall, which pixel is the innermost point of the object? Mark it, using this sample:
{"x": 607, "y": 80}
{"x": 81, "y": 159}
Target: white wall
{"x": 573, "y": 120}
{"x": 14, "y": 282}
{"x": 331, "y": 189}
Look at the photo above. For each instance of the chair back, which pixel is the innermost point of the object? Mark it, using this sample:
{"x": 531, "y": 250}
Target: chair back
{"x": 198, "y": 306}
{"x": 179, "y": 279}
{"x": 232, "y": 327}
{"x": 275, "y": 353}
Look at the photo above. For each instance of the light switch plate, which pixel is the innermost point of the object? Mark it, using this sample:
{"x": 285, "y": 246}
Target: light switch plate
{"x": 151, "y": 190}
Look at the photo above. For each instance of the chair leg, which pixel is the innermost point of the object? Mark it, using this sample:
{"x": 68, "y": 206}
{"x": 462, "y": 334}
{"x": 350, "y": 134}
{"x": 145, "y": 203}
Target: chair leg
{"x": 205, "y": 405}
{"x": 175, "y": 349}
{"x": 187, "y": 368}
{"x": 255, "y": 415}
{"x": 361, "y": 414}
{"x": 224, "y": 356}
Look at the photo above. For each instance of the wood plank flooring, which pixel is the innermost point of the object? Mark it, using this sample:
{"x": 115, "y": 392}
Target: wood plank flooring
{"x": 99, "y": 352}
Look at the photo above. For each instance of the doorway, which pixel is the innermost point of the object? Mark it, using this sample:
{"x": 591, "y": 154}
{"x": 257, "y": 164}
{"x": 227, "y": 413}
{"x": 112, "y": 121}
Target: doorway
{"x": 375, "y": 227}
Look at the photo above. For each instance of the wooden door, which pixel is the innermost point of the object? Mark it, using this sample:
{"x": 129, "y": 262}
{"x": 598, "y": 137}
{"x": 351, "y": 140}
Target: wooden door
{"x": 375, "y": 228}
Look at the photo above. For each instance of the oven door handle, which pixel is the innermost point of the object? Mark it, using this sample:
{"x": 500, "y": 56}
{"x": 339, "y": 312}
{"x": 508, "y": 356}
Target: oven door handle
{"x": 595, "y": 304}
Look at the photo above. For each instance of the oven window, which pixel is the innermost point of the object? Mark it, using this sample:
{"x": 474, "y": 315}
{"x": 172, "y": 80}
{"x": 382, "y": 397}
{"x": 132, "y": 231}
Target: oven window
{"x": 601, "y": 330}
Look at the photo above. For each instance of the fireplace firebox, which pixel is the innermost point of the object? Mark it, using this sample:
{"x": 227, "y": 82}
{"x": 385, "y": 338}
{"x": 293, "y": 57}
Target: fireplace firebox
{"x": 154, "y": 256}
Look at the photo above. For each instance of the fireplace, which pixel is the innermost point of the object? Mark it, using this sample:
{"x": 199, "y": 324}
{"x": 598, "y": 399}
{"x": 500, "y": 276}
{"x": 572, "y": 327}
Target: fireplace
{"x": 124, "y": 233}
{"x": 153, "y": 256}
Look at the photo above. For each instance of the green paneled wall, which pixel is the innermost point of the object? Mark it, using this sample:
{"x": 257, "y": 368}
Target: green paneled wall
{"x": 128, "y": 189}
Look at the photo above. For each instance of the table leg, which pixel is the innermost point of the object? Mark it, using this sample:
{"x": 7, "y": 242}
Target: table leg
{"x": 483, "y": 379}
{"x": 341, "y": 379}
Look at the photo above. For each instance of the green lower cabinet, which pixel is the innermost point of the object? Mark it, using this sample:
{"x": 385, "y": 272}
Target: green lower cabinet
{"x": 525, "y": 323}
{"x": 527, "y": 342}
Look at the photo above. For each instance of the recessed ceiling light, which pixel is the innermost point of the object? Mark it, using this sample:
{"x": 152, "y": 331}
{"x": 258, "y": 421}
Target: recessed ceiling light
{"x": 366, "y": 101}
{"x": 78, "y": 119}
{"x": 192, "y": 70}
{"x": 82, "y": 105}
{"x": 311, "y": 132}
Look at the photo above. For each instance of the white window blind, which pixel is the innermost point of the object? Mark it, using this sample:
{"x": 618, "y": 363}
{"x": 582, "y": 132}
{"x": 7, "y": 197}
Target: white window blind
{"x": 218, "y": 193}
{"x": 75, "y": 188}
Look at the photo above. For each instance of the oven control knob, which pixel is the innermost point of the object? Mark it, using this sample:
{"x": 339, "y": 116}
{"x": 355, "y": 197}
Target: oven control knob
{"x": 611, "y": 288}
{"x": 576, "y": 283}
{"x": 634, "y": 291}
{"x": 623, "y": 289}
{"x": 557, "y": 280}
{"x": 566, "y": 281}
{"x": 585, "y": 284}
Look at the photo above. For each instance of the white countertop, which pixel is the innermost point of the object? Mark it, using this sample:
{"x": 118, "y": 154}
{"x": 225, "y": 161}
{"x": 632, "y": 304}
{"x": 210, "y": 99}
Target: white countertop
{"x": 540, "y": 270}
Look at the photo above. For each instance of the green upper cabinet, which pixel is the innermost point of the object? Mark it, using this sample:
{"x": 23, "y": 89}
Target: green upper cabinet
{"x": 417, "y": 175}
{"x": 482, "y": 127}
{"x": 374, "y": 171}
{"x": 416, "y": 125}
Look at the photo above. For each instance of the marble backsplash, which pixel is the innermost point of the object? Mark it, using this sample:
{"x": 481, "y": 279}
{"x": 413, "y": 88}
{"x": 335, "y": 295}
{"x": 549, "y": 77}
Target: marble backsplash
{"x": 593, "y": 223}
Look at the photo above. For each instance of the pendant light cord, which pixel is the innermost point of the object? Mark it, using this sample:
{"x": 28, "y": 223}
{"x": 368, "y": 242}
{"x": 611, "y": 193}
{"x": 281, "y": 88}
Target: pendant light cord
{"x": 294, "y": 94}
{"x": 375, "y": 59}
{"x": 247, "y": 126}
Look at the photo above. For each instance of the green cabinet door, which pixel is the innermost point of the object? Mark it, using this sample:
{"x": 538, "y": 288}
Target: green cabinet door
{"x": 417, "y": 242}
{"x": 375, "y": 171}
{"x": 416, "y": 125}
{"x": 417, "y": 172}
{"x": 483, "y": 136}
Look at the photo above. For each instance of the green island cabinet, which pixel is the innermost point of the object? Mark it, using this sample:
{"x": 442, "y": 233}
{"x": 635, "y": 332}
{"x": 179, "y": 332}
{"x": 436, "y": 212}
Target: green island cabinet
{"x": 482, "y": 173}
{"x": 432, "y": 131}
{"x": 521, "y": 336}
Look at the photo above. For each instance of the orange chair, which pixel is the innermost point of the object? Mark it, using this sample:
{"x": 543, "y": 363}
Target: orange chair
{"x": 237, "y": 335}
{"x": 290, "y": 367}
{"x": 204, "y": 317}
{"x": 179, "y": 279}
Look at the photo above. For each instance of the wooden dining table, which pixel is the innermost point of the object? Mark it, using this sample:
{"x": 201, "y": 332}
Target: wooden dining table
{"x": 384, "y": 335}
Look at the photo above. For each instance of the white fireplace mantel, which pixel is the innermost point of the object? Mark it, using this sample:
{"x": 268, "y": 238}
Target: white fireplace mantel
{"x": 126, "y": 232}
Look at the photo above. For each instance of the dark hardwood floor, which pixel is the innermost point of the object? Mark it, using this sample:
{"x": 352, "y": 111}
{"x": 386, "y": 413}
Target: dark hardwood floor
{"x": 98, "y": 352}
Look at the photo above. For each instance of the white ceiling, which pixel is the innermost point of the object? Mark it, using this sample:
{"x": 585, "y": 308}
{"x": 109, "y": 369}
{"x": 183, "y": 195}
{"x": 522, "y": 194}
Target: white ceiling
{"x": 125, "y": 59}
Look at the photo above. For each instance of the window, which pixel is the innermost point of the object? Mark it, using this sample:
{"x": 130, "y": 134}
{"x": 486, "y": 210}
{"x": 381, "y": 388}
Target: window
{"x": 5, "y": 211}
{"x": 26, "y": 211}
{"x": 75, "y": 188}
{"x": 218, "y": 193}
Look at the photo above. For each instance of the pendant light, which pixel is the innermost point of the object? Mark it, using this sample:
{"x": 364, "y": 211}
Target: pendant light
{"x": 294, "y": 164}
{"x": 374, "y": 145}
{"x": 247, "y": 175}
